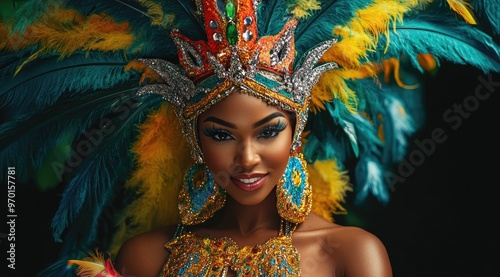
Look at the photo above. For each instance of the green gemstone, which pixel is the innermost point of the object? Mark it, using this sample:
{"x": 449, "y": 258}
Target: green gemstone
{"x": 231, "y": 33}
{"x": 230, "y": 10}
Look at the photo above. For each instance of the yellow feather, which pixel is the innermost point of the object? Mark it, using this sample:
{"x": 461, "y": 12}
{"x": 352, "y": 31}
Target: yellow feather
{"x": 303, "y": 8}
{"x": 162, "y": 156}
{"x": 155, "y": 12}
{"x": 147, "y": 72}
{"x": 90, "y": 266}
{"x": 464, "y": 9}
{"x": 361, "y": 34}
{"x": 66, "y": 31}
{"x": 357, "y": 38}
{"x": 10, "y": 42}
{"x": 329, "y": 186}
{"x": 332, "y": 84}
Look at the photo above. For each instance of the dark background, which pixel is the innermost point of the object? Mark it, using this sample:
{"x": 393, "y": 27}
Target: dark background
{"x": 441, "y": 220}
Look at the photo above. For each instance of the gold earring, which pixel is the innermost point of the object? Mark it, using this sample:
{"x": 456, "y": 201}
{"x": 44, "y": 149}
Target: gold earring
{"x": 200, "y": 197}
{"x": 293, "y": 192}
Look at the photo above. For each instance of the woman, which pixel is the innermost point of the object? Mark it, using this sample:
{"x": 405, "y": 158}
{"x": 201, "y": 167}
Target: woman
{"x": 229, "y": 119}
{"x": 246, "y": 144}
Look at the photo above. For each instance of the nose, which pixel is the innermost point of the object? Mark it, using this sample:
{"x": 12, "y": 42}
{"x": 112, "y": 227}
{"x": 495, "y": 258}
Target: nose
{"x": 247, "y": 156}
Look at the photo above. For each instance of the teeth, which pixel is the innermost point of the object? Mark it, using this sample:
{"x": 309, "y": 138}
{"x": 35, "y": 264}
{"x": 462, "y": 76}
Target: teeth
{"x": 249, "y": 181}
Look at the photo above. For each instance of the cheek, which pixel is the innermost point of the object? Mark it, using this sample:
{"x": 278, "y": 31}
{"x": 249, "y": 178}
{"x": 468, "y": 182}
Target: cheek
{"x": 218, "y": 160}
{"x": 278, "y": 154}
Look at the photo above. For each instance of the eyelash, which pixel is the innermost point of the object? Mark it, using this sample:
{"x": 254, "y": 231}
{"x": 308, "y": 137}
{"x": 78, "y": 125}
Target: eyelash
{"x": 268, "y": 132}
{"x": 215, "y": 134}
{"x": 273, "y": 129}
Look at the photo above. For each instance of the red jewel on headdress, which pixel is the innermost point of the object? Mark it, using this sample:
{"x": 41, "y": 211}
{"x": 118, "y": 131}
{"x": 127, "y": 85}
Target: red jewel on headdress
{"x": 234, "y": 31}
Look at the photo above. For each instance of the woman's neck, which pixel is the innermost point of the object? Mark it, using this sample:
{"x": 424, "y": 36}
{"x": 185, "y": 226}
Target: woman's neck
{"x": 248, "y": 219}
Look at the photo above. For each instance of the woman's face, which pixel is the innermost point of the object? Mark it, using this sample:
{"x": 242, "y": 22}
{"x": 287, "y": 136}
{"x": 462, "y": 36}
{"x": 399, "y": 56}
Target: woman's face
{"x": 246, "y": 145}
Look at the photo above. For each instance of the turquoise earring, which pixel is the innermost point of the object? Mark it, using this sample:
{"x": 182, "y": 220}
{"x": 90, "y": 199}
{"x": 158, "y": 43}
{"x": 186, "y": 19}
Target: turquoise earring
{"x": 293, "y": 192}
{"x": 200, "y": 197}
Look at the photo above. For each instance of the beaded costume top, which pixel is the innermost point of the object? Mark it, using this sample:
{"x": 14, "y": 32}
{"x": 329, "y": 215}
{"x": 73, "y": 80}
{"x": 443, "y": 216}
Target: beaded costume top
{"x": 196, "y": 256}
{"x": 191, "y": 255}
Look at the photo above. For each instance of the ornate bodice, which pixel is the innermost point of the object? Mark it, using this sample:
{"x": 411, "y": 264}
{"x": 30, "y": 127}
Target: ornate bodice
{"x": 196, "y": 256}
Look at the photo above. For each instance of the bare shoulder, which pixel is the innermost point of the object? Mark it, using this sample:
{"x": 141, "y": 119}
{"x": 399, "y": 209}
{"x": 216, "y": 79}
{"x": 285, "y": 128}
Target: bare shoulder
{"x": 341, "y": 250}
{"x": 144, "y": 254}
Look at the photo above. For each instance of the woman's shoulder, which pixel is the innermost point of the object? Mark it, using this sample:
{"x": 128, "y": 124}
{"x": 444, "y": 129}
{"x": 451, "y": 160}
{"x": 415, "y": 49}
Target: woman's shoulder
{"x": 350, "y": 250}
{"x": 318, "y": 227}
{"x": 144, "y": 254}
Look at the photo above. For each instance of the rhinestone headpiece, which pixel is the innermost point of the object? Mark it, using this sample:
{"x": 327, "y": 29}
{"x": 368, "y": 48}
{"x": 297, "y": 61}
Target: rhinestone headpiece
{"x": 232, "y": 59}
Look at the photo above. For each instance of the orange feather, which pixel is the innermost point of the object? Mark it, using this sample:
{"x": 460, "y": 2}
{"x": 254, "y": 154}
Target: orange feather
{"x": 94, "y": 266}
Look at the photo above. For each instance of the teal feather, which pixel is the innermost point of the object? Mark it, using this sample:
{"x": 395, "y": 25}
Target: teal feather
{"x": 445, "y": 38}
{"x": 189, "y": 8}
{"x": 24, "y": 142}
{"x": 333, "y": 144}
{"x": 389, "y": 102}
{"x": 318, "y": 27}
{"x": 93, "y": 178}
{"x": 28, "y": 14}
{"x": 94, "y": 184}
{"x": 369, "y": 165}
{"x": 314, "y": 29}
{"x": 41, "y": 84}
{"x": 397, "y": 130}
{"x": 370, "y": 180}
{"x": 327, "y": 138}
{"x": 10, "y": 61}
{"x": 272, "y": 16}
{"x": 489, "y": 14}
{"x": 374, "y": 156}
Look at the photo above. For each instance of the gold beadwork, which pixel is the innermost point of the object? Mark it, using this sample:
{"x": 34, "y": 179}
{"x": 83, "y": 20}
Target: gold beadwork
{"x": 195, "y": 256}
{"x": 200, "y": 197}
{"x": 293, "y": 192}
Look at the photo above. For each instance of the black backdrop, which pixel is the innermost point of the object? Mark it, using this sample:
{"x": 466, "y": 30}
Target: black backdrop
{"x": 441, "y": 220}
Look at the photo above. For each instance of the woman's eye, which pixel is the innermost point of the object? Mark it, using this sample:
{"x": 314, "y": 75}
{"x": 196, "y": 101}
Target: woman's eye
{"x": 218, "y": 134}
{"x": 269, "y": 133}
{"x": 273, "y": 130}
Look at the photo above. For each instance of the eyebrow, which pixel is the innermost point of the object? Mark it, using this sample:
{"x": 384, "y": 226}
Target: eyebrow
{"x": 221, "y": 122}
{"x": 267, "y": 119}
{"x": 255, "y": 125}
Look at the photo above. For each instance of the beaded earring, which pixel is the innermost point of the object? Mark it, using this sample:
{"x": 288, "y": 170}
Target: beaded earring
{"x": 200, "y": 197}
{"x": 293, "y": 191}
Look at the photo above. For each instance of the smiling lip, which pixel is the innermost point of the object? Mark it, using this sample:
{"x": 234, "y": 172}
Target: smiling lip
{"x": 249, "y": 182}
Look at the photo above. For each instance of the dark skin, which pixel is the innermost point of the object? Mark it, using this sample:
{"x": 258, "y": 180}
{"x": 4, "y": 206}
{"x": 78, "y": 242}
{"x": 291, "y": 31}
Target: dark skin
{"x": 249, "y": 218}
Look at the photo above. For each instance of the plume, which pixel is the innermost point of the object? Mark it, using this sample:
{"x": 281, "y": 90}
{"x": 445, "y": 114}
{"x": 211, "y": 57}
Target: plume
{"x": 451, "y": 40}
{"x": 488, "y": 12}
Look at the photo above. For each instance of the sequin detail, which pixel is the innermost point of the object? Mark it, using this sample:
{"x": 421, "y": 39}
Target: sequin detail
{"x": 195, "y": 256}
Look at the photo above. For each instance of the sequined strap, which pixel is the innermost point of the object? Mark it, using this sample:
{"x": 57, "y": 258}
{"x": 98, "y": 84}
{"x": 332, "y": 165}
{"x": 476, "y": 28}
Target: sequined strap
{"x": 179, "y": 231}
{"x": 287, "y": 228}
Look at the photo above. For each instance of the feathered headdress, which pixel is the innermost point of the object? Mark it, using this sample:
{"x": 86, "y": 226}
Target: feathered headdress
{"x": 83, "y": 86}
